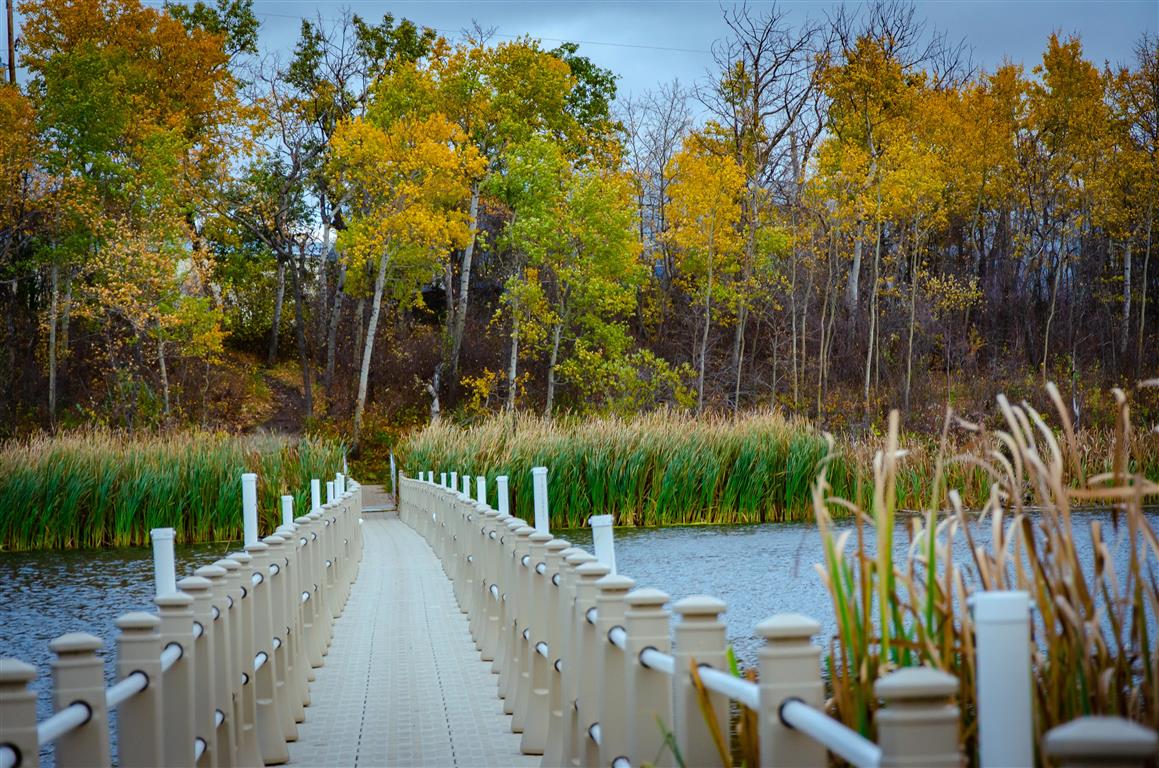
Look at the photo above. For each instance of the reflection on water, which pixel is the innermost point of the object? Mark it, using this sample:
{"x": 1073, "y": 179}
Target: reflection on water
{"x": 759, "y": 570}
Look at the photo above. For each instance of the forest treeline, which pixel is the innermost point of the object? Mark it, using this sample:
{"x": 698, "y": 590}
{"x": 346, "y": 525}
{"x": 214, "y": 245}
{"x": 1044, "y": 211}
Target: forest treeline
{"x": 845, "y": 214}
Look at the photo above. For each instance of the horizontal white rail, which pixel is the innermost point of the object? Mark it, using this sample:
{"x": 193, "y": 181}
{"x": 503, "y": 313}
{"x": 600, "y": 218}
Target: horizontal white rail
{"x": 658, "y": 660}
{"x": 618, "y": 636}
{"x": 7, "y": 757}
{"x": 66, "y": 720}
{"x": 126, "y": 689}
{"x": 198, "y": 748}
{"x": 835, "y": 736}
{"x": 621, "y": 762}
{"x": 542, "y": 649}
{"x": 260, "y": 660}
{"x": 596, "y": 734}
{"x": 744, "y": 691}
{"x": 170, "y": 656}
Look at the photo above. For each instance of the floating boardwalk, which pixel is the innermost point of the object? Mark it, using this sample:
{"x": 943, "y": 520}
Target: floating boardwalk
{"x": 403, "y": 683}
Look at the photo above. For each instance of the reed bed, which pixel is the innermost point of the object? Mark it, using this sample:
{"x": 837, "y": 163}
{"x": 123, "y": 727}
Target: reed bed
{"x": 99, "y": 488}
{"x": 1093, "y": 649}
{"x": 664, "y": 468}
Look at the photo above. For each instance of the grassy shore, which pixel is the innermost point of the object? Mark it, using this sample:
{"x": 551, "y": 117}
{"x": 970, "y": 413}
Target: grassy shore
{"x": 96, "y": 488}
{"x": 674, "y": 469}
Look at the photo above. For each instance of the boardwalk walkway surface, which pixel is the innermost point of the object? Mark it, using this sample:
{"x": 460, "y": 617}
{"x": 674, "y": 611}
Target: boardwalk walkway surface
{"x": 403, "y": 684}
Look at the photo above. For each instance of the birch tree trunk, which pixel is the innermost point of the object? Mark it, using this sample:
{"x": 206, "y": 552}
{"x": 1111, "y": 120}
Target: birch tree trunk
{"x": 300, "y": 331}
{"x": 913, "y": 299}
{"x": 513, "y": 365}
{"x": 52, "y": 319}
{"x": 556, "y": 333}
{"x": 853, "y": 283}
{"x": 704, "y": 337}
{"x": 332, "y": 331}
{"x": 276, "y": 326}
{"x": 872, "y": 316}
{"x": 368, "y": 347}
{"x": 1125, "y": 330}
{"x": 460, "y": 313}
{"x": 1143, "y": 295}
{"x": 164, "y": 373}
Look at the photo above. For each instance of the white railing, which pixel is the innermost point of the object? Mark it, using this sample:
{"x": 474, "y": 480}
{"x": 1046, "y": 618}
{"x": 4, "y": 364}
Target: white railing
{"x": 220, "y": 675}
{"x": 587, "y": 666}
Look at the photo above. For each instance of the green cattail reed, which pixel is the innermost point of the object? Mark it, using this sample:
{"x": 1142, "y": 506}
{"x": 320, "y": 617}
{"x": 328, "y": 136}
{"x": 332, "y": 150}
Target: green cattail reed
{"x": 98, "y": 488}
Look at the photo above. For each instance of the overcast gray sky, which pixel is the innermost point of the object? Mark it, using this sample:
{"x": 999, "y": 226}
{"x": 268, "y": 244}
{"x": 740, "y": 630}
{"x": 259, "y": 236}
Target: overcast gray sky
{"x": 650, "y": 42}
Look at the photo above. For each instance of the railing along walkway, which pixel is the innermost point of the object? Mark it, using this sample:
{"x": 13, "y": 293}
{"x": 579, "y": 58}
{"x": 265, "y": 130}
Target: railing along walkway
{"x": 403, "y": 683}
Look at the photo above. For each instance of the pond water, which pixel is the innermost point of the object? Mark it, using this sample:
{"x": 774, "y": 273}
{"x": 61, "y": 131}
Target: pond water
{"x": 758, "y": 570}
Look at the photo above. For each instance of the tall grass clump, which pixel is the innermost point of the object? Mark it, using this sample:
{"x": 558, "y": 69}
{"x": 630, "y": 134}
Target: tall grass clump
{"x": 663, "y": 468}
{"x": 99, "y": 488}
{"x": 1093, "y": 648}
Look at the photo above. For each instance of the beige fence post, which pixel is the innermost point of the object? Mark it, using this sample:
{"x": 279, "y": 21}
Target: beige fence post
{"x": 1101, "y": 742}
{"x": 561, "y": 712}
{"x": 537, "y": 703}
{"x": 271, "y": 737}
{"x": 306, "y": 583}
{"x": 610, "y": 666}
{"x": 139, "y": 718}
{"x": 517, "y": 595}
{"x": 789, "y": 668}
{"x": 585, "y": 648}
{"x": 919, "y": 724}
{"x": 508, "y": 587}
{"x": 285, "y": 694}
{"x": 573, "y": 663}
{"x": 700, "y": 640}
{"x": 79, "y": 675}
{"x": 242, "y": 621}
{"x": 205, "y": 665}
{"x": 489, "y": 552}
{"x": 177, "y": 697}
{"x": 18, "y": 711}
{"x": 649, "y": 691}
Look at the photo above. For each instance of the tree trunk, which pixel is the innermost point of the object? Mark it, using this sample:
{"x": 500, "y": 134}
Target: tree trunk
{"x": 275, "y": 327}
{"x": 460, "y": 313}
{"x": 52, "y": 319}
{"x": 332, "y": 331}
{"x": 853, "y": 283}
{"x": 359, "y": 323}
{"x": 368, "y": 347}
{"x": 65, "y": 314}
{"x": 872, "y": 316}
{"x": 738, "y": 353}
{"x": 300, "y": 331}
{"x": 556, "y": 332}
{"x": 164, "y": 373}
{"x": 913, "y": 300}
{"x": 704, "y": 337}
{"x": 1050, "y": 314}
{"x": 513, "y": 365}
{"x": 1125, "y": 330}
{"x": 1143, "y": 295}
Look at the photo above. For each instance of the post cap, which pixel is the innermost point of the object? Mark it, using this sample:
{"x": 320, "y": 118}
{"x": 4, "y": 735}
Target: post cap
{"x": 699, "y": 605}
{"x": 615, "y": 582}
{"x": 195, "y": 583}
{"x": 592, "y": 570}
{"x": 226, "y": 564}
{"x": 211, "y": 572}
{"x": 16, "y": 672}
{"x": 273, "y": 540}
{"x": 646, "y": 596}
{"x": 580, "y": 557}
{"x": 539, "y": 470}
{"x": 138, "y": 621}
{"x": 788, "y": 626}
{"x": 77, "y": 642}
{"x": 915, "y": 683}
{"x": 242, "y": 558}
{"x": 1001, "y": 606}
{"x": 516, "y": 523}
{"x": 524, "y": 531}
{"x": 540, "y": 538}
{"x": 174, "y": 599}
{"x": 598, "y": 521}
{"x": 162, "y": 534}
{"x": 257, "y": 546}
{"x": 1101, "y": 737}
{"x": 558, "y": 545}
{"x": 566, "y": 553}
{"x": 304, "y": 520}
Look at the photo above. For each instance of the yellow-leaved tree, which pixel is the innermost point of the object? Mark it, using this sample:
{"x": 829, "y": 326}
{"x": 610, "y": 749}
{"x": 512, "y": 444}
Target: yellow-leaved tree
{"x": 706, "y": 189}
{"x": 406, "y": 178}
